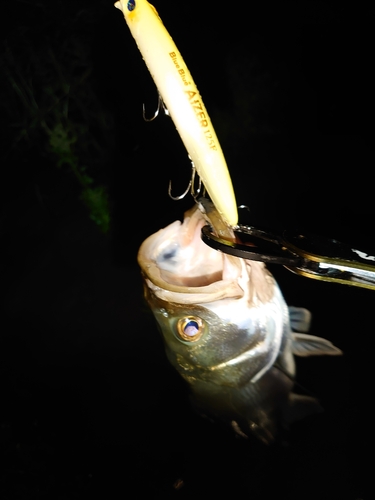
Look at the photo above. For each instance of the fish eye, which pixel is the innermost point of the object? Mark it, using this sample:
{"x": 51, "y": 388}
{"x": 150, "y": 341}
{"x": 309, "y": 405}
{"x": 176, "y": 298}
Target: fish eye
{"x": 190, "y": 328}
{"x": 131, "y": 5}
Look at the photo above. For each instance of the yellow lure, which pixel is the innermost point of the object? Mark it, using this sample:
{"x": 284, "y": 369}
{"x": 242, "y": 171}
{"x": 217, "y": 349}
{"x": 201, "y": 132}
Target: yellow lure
{"x": 183, "y": 101}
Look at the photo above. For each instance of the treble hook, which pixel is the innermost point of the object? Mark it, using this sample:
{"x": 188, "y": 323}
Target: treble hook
{"x": 160, "y": 105}
{"x": 190, "y": 187}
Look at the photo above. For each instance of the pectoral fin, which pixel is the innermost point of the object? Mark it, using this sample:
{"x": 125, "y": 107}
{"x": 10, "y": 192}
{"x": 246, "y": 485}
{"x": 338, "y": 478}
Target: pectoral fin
{"x": 310, "y": 345}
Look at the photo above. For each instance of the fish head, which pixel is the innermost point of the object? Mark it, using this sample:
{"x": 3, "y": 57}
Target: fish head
{"x": 215, "y": 312}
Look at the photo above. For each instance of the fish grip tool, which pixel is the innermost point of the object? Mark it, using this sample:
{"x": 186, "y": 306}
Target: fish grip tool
{"x": 307, "y": 255}
{"x": 262, "y": 246}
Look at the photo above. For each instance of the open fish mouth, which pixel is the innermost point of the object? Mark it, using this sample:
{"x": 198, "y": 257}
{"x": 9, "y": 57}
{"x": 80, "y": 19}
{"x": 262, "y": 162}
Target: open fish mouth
{"x": 179, "y": 267}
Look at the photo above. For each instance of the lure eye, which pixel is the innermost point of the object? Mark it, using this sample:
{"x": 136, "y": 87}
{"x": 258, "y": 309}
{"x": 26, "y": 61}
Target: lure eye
{"x": 131, "y": 5}
{"x": 190, "y": 328}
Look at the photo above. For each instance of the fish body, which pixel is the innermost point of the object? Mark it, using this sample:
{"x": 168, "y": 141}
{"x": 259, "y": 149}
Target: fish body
{"x": 227, "y": 330}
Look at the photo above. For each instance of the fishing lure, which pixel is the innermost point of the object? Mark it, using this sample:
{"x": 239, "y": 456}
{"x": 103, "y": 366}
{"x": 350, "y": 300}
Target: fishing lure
{"x": 183, "y": 101}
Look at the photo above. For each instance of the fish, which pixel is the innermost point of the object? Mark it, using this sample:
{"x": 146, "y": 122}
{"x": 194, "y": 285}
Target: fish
{"x": 228, "y": 331}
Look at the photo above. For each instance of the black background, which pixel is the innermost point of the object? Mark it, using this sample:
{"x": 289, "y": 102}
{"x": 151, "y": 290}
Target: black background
{"x": 89, "y": 405}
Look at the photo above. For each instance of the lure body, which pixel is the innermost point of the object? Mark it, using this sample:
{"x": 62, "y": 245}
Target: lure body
{"x": 183, "y": 101}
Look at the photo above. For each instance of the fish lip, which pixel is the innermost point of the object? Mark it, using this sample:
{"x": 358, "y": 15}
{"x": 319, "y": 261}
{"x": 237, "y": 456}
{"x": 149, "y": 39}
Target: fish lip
{"x": 182, "y": 236}
{"x": 191, "y": 295}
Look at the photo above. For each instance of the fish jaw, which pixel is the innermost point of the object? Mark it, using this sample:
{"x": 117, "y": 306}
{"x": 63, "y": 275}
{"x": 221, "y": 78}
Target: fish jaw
{"x": 181, "y": 268}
